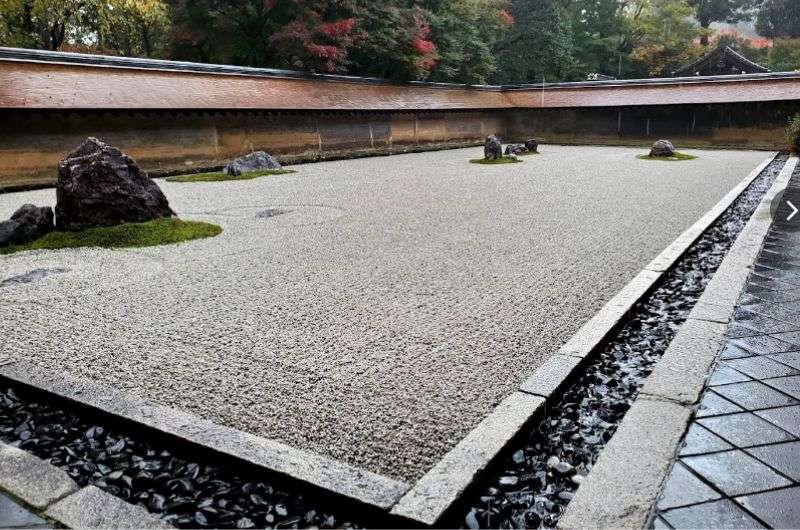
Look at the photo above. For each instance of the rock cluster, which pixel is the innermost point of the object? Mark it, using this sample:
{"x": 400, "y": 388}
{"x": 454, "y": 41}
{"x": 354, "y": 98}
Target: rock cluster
{"x": 662, "y": 148}
{"x": 515, "y": 149}
{"x": 99, "y": 185}
{"x": 492, "y": 149}
{"x": 26, "y": 224}
{"x": 256, "y": 161}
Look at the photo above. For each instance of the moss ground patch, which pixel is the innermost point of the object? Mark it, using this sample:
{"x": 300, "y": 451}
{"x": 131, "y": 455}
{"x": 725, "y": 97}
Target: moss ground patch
{"x": 496, "y": 161}
{"x": 676, "y": 157}
{"x": 149, "y": 234}
{"x": 218, "y": 176}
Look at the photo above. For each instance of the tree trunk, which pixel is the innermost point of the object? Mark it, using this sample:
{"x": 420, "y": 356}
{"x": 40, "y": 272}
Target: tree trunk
{"x": 704, "y": 24}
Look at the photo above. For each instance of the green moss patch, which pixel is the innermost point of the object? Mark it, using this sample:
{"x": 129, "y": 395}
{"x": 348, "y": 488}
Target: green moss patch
{"x": 496, "y": 161}
{"x": 149, "y": 234}
{"x": 676, "y": 157}
{"x": 218, "y": 176}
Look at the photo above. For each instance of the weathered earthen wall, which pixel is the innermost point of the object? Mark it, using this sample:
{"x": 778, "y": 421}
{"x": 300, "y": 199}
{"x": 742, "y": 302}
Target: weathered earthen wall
{"x": 735, "y": 125}
{"x": 32, "y": 142}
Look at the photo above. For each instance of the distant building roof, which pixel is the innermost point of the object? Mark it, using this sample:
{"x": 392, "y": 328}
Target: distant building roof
{"x": 723, "y": 60}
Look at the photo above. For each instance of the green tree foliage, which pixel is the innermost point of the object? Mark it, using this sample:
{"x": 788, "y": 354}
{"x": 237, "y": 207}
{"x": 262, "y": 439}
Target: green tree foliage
{"x": 395, "y": 41}
{"x": 539, "y": 47}
{"x": 466, "y": 41}
{"x": 131, "y": 27}
{"x": 661, "y": 35}
{"x": 464, "y": 32}
{"x": 599, "y": 35}
{"x": 329, "y": 36}
{"x": 779, "y": 18}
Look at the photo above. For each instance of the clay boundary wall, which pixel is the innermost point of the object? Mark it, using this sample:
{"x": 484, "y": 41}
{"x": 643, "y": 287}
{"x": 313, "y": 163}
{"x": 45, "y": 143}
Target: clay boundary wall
{"x": 182, "y": 117}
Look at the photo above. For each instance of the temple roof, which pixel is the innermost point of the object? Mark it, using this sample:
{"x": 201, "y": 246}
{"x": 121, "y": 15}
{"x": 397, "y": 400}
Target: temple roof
{"x": 723, "y": 60}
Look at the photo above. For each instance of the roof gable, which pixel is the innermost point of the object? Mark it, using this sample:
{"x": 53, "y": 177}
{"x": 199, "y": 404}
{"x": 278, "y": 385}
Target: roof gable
{"x": 723, "y": 60}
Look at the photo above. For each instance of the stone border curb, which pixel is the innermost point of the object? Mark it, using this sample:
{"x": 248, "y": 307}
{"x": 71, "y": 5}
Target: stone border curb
{"x": 433, "y": 495}
{"x": 442, "y": 486}
{"x": 93, "y": 508}
{"x": 436, "y": 492}
{"x": 48, "y": 490}
{"x": 32, "y": 480}
{"x": 332, "y": 475}
{"x": 624, "y": 484}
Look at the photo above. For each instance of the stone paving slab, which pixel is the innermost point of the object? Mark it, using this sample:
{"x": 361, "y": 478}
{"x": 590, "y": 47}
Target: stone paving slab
{"x": 744, "y": 442}
{"x": 401, "y": 297}
{"x": 92, "y": 508}
{"x": 31, "y": 479}
{"x": 13, "y": 515}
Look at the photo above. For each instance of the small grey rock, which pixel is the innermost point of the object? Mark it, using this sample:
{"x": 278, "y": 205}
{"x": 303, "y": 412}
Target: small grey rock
{"x": 472, "y": 521}
{"x": 662, "y": 148}
{"x": 256, "y": 161}
{"x": 27, "y": 224}
{"x": 553, "y": 461}
{"x": 563, "y": 468}
{"x": 509, "y": 480}
{"x": 492, "y": 149}
{"x": 532, "y": 145}
{"x": 515, "y": 149}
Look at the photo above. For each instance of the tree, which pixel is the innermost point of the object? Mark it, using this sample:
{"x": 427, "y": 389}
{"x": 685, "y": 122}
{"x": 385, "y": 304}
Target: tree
{"x": 133, "y": 27}
{"x": 779, "y": 18}
{"x": 465, "y": 32}
{"x": 316, "y": 34}
{"x": 661, "y": 35}
{"x": 539, "y": 47}
{"x": 599, "y": 32}
{"x": 394, "y": 41}
{"x": 708, "y": 11}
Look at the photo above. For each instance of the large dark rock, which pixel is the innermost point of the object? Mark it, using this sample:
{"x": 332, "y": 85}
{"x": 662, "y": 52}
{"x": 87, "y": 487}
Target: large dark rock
{"x": 99, "y": 185}
{"x": 29, "y": 223}
{"x": 662, "y": 148}
{"x": 532, "y": 145}
{"x": 256, "y": 161}
{"x": 492, "y": 149}
{"x": 515, "y": 149}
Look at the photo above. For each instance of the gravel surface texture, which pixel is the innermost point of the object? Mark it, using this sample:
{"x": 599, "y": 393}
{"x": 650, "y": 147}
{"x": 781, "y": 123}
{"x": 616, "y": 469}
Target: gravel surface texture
{"x": 393, "y": 306}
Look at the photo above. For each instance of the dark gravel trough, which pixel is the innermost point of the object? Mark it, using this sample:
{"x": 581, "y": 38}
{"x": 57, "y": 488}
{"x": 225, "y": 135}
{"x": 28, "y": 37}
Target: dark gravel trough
{"x": 187, "y": 488}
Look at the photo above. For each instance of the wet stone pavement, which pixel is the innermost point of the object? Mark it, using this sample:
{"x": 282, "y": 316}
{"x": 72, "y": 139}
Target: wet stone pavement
{"x": 739, "y": 466}
{"x": 13, "y": 516}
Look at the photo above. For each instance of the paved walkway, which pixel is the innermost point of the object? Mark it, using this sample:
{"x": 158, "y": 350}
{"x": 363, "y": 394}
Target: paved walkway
{"x": 739, "y": 466}
{"x": 12, "y": 515}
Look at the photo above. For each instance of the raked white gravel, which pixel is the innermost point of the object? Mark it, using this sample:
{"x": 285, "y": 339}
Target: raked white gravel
{"x": 396, "y": 304}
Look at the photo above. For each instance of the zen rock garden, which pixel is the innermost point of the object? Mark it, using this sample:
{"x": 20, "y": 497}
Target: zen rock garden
{"x": 352, "y": 299}
{"x": 99, "y": 187}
